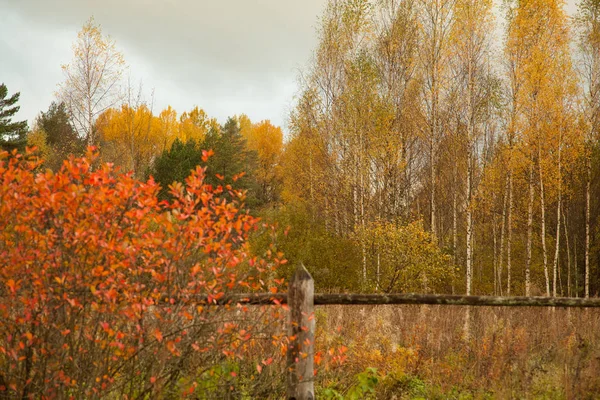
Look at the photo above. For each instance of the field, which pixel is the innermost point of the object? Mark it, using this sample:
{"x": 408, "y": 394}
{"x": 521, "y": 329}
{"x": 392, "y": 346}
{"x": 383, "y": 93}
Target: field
{"x": 422, "y": 352}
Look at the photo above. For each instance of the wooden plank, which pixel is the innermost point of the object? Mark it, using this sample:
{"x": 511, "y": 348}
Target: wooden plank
{"x": 301, "y": 331}
{"x": 435, "y": 299}
{"x": 441, "y": 299}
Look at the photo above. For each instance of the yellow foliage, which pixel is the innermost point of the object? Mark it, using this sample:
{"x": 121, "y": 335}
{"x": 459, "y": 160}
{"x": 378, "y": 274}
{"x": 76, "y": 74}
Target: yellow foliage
{"x": 38, "y": 138}
{"x": 267, "y": 141}
{"x": 195, "y": 124}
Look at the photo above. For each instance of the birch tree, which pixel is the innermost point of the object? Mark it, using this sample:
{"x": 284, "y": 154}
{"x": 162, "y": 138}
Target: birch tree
{"x": 470, "y": 40}
{"x": 588, "y": 30}
{"x": 92, "y": 79}
{"x": 436, "y": 19}
{"x": 541, "y": 79}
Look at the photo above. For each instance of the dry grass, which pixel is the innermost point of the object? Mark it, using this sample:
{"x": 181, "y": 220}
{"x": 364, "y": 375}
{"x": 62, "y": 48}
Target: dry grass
{"x": 425, "y": 351}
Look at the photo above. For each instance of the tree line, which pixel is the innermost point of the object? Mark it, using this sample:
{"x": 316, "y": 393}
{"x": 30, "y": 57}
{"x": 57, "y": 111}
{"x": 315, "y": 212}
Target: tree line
{"x": 407, "y": 113}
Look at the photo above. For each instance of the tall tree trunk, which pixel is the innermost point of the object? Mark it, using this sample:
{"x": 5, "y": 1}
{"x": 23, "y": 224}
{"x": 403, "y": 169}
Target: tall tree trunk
{"x": 529, "y": 231}
{"x": 362, "y": 204}
{"x": 587, "y": 225}
{"x": 495, "y": 264}
{"x": 378, "y": 268}
{"x": 469, "y": 238}
{"x": 543, "y": 233}
{"x": 432, "y": 178}
{"x": 454, "y": 221}
{"x": 509, "y": 239}
{"x": 558, "y": 208}
{"x": 568, "y": 254}
{"x": 502, "y": 233}
{"x": 576, "y": 272}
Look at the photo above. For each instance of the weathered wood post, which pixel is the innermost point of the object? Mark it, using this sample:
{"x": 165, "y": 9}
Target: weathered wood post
{"x": 300, "y": 356}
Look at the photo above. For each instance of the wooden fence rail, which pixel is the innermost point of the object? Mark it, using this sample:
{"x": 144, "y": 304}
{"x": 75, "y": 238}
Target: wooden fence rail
{"x": 301, "y": 300}
{"x": 322, "y": 299}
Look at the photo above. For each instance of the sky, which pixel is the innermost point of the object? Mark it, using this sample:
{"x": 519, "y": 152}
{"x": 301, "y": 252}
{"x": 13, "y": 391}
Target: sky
{"x": 225, "y": 56}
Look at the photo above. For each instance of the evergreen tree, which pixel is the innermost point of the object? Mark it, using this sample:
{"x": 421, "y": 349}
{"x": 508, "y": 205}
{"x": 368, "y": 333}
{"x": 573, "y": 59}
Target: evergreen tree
{"x": 61, "y": 137}
{"x": 175, "y": 164}
{"x": 12, "y": 134}
{"x": 231, "y": 158}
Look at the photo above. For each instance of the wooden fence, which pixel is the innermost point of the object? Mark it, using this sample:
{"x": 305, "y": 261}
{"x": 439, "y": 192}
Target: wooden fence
{"x": 301, "y": 300}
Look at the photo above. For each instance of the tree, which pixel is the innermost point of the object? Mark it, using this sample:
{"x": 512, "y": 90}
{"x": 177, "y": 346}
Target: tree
{"x": 543, "y": 88}
{"x": 59, "y": 136}
{"x": 130, "y": 137}
{"x": 92, "y": 79}
{"x": 175, "y": 164}
{"x": 470, "y": 43}
{"x": 233, "y": 163}
{"x": 267, "y": 141}
{"x": 437, "y": 18}
{"x": 196, "y": 124}
{"x": 12, "y": 134}
{"x": 588, "y": 29}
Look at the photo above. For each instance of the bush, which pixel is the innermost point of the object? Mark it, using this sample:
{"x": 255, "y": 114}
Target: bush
{"x": 100, "y": 282}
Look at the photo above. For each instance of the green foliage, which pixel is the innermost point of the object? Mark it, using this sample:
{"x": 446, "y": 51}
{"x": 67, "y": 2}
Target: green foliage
{"x": 12, "y": 134}
{"x": 54, "y": 130}
{"x": 404, "y": 258}
{"x": 176, "y": 164}
{"x": 233, "y": 163}
{"x": 409, "y": 260}
{"x": 366, "y": 383}
{"x": 332, "y": 260}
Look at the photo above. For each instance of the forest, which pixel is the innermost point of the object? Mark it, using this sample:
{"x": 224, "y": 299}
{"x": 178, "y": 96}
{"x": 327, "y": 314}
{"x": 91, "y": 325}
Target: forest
{"x": 434, "y": 146}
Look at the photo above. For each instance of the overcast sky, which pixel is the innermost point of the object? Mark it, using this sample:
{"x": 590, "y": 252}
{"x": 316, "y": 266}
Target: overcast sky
{"x": 226, "y": 56}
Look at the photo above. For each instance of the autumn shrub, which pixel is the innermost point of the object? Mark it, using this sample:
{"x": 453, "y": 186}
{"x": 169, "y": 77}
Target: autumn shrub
{"x": 403, "y": 258}
{"x": 107, "y": 292}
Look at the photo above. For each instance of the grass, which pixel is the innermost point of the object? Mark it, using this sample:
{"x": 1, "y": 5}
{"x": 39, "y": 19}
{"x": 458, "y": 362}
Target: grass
{"x": 427, "y": 352}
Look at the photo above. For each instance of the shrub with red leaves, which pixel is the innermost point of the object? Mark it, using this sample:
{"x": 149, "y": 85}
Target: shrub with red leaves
{"x": 99, "y": 281}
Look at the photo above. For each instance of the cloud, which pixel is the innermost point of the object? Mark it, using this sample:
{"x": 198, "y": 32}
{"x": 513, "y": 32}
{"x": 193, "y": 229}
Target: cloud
{"x": 228, "y": 56}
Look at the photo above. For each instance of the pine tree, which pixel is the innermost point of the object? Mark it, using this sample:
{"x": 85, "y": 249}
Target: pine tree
{"x": 231, "y": 158}
{"x": 175, "y": 164}
{"x": 60, "y": 134}
{"x": 12, "y": 134}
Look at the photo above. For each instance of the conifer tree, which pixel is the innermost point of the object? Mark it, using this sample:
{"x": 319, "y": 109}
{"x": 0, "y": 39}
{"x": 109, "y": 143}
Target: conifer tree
{"x": 12, "y": 134}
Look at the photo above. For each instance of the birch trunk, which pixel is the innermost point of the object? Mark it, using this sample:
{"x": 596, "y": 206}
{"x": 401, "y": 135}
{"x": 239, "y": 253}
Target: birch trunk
{"x": 502, "y": 233}
{"x": 587, "y": 226}
{"x": 529, "y": 232}
{"x": 495, "y": 264}
{"x": 469, "y": 223}
{"x": 378, "y": 268}
{"x": 454, "y": 221}
{"x": 558, "y": 207}
{"x": 509, "y": 239}
{"x": 543, "y": 233}
{"x": 432, "y": 178}
{"x": 568, "y": 254}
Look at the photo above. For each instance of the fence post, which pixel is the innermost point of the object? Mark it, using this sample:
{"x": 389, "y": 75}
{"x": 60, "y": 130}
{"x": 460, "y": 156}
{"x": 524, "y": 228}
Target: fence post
{"x": 300, "y": 356}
